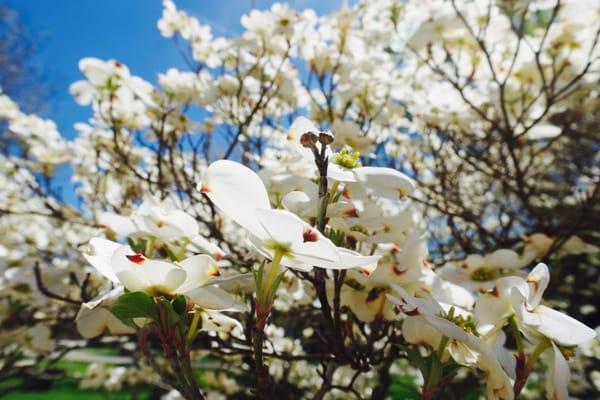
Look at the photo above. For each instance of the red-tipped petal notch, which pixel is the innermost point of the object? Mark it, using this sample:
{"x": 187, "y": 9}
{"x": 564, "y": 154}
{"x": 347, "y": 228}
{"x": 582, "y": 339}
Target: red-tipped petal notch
{"x": 215, "y": 272}
{"x": 367, "y": 270}
{"x": 535, "y": 283}
{"x": 218, "y": 256}
{"x": 203, "y": 187}
{"x": 411, "y": 313}
{"x": 346, "y": 193}
{"x": 351, "y": 213}
{"x": 310, "y": 235}
{"x": 102, "y": 226}
{"x": 137, "y": 258}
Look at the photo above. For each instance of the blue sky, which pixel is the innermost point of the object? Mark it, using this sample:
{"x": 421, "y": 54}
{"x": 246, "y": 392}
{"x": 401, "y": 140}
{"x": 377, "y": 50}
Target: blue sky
{"x": 124, "y": 30}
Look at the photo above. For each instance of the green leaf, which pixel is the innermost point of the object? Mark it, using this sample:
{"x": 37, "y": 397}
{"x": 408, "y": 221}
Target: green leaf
{"x": 179, "y": 304}
{"x": 404, "y": 387}
{"x": 138, "y": 246}
{"x": 450, "y": 369}
{"x": 134, "y": 305}
{"x": 258, "y": 277}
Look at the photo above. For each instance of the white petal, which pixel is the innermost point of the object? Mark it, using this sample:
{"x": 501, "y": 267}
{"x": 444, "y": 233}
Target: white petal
{"x": 94, "y": 317}
{"x": 212, "y": 298}
{"x": 339, "y": 173}
{"x": 416, "y": 331}
{"x": 94, "y": 322}
{"x": 184, "y": 222}
{"x": 299, "y": 203}
{"x": 205, "y": 246}
{"x": 300, "y": 126}
{"x": 351, "y": 259}
{"x": 558, "y": 377}
{"x": 385, "y": 182}
{"x": 100, "y": 254}
{"x": 281, "y": 226}
{"x": 146, "y": 274}
{"x": 308, "y": 245}
{"x": 200, "y": 269}
{"x": 237, "y": 191}
{"x": 538, "y": 280}
{"x": 427, "y": 306}
{"x": 212, "y": 321}
{"x": 520, "y": 307}
{"x": 122, "y": 226}
{"x": 562, "y": 328}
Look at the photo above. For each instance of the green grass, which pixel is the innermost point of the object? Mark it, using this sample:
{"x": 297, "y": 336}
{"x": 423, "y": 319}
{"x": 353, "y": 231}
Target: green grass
{"x": 68, "y": 389}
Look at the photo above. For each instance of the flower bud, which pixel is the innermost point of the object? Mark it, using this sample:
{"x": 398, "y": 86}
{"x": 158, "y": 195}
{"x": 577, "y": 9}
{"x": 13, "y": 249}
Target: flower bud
{"x": 308, "y": 140}
{"x": 326, "y": 137}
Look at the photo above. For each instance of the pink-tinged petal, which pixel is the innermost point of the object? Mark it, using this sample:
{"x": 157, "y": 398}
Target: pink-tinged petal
{"x": 537, "y": 280}
{"x": 99, "y": 255}
{"x": 558, "y": 377}
{"x": 237, "y": 191}
{"x": 385, "y": 182}
{"x": 561, "y": 328}
{"x": 200, "y": 269}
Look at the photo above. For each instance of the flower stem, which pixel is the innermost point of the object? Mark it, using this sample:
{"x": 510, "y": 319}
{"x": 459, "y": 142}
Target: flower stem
{"x": 262, "y": 374}
{"x": 436, "y": 367}
{"x": 263, "y": 309}
{"x": 150, "y": 246}
{"x": 537, "y": 352}
{"x": 524, "y": 369}
{"x": 193, "y": 326}
{"x": 516, "y": 334}
{"x": 182, "y": 249}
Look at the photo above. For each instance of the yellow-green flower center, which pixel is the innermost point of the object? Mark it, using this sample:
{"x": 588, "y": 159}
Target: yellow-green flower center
{"x": 347, "y": 159}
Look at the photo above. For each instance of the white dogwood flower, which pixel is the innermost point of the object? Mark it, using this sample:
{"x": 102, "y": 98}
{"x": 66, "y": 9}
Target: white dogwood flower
{"x": 240, "y": 194}
{"x": 465, "y": 346}
{"x": 540, "y": 321}
{"x": 193, "y": 277}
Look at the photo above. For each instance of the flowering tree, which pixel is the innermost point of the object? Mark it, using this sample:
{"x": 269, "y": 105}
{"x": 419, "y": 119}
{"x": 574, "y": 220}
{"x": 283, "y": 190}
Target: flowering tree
{"x": 393, "y": 244}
